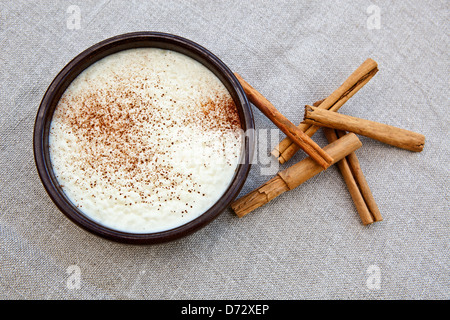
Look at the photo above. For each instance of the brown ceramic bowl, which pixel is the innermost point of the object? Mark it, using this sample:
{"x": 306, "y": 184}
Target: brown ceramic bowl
{"x": 97, "y": 52}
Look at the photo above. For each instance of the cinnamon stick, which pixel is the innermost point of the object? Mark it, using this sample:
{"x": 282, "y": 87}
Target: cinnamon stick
{"x": 299, "y": 137}
{"x": 361, "y": 181}
{"x": 286, "y": 149}
{"x": 391, "y": 135}
{"x": 287, "y": 142}
{"x": 352, "y": 184}
{"x": 293, "y": 176}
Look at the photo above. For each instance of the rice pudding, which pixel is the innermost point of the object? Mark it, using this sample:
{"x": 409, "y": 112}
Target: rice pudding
{"x": 145, "y": 140}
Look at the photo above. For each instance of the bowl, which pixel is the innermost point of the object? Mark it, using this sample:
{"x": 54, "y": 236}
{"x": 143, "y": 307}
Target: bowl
{"x": 83, "y": 61}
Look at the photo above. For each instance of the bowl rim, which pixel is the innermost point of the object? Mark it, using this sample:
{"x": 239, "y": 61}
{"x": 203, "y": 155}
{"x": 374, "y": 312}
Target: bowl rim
{"x": 88, "y": 57}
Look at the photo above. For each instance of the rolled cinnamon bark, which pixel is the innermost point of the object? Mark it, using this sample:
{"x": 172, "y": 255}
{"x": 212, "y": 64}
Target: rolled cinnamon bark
{"x": 391, "y": 135}
{"x": 293, "y": 176}
{"x": 361, "y": 181}
{"x": 299, "y": 137}
{"x": 286, "y": 143}
{"x": 354, "y": 188}
{"x": 360, "y": 77}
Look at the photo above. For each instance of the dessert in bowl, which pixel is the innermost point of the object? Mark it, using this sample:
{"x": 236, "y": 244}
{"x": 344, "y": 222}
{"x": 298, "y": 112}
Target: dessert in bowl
{"x": 141, "y": 138}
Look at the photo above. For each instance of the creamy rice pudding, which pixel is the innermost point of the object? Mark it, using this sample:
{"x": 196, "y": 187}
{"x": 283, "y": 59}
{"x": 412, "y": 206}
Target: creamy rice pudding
{"x": 145, "y": 140}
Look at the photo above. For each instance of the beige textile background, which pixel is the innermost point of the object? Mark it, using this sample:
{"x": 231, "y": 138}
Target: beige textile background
{"x": 306, "y": 244}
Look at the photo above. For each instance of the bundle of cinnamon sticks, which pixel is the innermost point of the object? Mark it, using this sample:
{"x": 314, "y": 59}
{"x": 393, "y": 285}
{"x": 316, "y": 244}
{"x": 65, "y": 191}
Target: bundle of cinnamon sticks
{"x": 340, "y": 150}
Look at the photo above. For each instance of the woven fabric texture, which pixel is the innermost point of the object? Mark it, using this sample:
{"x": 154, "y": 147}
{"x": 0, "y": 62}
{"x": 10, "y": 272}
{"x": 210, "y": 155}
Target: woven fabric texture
{"x": 308, "y": 243}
